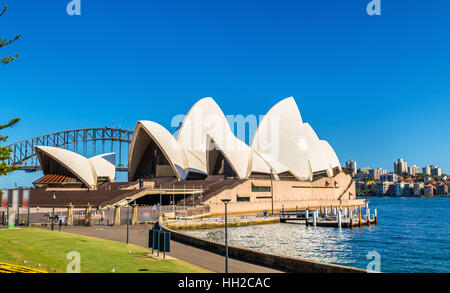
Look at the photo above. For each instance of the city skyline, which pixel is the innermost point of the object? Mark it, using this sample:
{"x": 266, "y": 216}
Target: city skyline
{"x": 392, "y": 170}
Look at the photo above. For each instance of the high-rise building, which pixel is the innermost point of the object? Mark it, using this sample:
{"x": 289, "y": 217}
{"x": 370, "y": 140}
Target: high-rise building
{"x": 413, "y": 170}
{"x": 374, "y": 173}
{"x": 426, "y": 170}
{"x": 400, "y": 167}
{"x": 350, "y": 164}
{"x": 435, "y": 171}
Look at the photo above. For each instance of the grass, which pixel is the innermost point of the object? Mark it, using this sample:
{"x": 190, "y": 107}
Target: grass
{"x": 49, "y": 249}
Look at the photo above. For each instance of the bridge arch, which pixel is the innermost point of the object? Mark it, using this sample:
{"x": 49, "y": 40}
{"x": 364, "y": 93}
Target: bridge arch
{"x": 23, "y": 151}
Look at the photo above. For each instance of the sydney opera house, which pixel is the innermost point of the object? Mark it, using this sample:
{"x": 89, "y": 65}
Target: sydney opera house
{"x": 286, "y": 165}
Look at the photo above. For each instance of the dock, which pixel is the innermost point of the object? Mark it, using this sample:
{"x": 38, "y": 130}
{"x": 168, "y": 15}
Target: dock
{"x": 336, "y": 218}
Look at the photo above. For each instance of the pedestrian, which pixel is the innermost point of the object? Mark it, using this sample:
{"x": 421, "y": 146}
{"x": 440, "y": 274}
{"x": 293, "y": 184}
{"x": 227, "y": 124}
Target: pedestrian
{"x": 156, "y": 226}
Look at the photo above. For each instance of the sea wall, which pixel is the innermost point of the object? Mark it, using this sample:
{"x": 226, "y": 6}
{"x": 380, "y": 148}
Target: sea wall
{"x": 216, "y": 223}
{"x": 284, "y": 263}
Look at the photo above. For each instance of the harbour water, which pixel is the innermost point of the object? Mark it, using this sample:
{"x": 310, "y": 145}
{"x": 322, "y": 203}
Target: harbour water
{"x": 412, "y": 236}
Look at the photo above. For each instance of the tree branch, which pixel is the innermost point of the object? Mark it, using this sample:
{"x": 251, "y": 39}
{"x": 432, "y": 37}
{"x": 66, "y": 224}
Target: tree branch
{"x": 5, "y": 42}
{"x": 4, "y": 10}
{"x": 11, "y": 123}
{"x": 6, "y": 60}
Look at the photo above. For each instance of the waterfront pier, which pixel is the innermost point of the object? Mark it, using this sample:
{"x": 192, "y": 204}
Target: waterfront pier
{"x": 342, "y": 218}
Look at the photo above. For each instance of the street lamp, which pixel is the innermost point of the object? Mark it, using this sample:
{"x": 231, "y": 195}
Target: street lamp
{"x": 271, "y": 188}
{"x": 128, "y": 212}
{"x": 226, "y": 201}
{"x": 53, "y": 210}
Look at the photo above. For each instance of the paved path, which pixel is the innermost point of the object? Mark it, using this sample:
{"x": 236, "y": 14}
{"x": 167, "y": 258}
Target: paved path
{"x": 199, "y": 257}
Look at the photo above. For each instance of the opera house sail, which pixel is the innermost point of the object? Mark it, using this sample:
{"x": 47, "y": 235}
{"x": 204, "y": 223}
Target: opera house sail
{"x": 283, "y": 146}
{"x": 64, "y": 168}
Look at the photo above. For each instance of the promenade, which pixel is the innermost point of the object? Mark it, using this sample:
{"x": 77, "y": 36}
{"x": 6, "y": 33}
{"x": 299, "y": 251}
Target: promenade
{"x": 199, "y": 257}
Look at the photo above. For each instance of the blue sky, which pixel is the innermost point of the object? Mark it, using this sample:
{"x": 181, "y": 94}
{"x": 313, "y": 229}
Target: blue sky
{"x": 376, "y": 87}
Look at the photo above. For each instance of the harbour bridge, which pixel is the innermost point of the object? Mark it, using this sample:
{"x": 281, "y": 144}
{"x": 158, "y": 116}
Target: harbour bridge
{"x": 82, "y": 141}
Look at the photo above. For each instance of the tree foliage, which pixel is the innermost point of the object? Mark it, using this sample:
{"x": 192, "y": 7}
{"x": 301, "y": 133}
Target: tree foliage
{"x": 5, "y": 151}
{"x": 5, "y": 42}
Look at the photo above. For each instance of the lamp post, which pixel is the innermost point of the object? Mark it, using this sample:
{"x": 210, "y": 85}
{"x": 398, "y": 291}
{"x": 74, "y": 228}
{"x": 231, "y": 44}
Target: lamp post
{"x": 160, "y": 197}
{"x": 271, "y": 188}
{"x": 226, "y": 201}
{"x": 53, "y": 210}
{"x": 128, "y": 222}
{"x": 173, "y": 197}
{"x": 18, "y": 208}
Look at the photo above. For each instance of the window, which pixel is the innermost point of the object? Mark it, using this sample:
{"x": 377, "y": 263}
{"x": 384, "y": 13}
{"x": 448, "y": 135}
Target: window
{"x": 243, "y": 198}
{"x": 260, "y": 188}
{"x": 263, "y": 197}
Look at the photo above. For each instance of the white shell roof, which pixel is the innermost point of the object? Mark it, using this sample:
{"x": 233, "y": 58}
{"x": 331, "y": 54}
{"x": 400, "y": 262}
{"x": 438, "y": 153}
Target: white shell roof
{"x": 281, "y": 142}
{"x": 281, "y": 136}
{"x": 276, "y": 165}
{"x": 288, "y": 144}
{"x": 235, "y": 151}
{"x": 75, "y": 163}
{"x": 194, "y": 163}
{"x": 259, "y": 164}
{"x": 317, "y": 154}
{"x": 166, "y": 142}
{"x": 104, "y": 165}
{"x": 332, "y": 157}
{"x": 204, "y": 118}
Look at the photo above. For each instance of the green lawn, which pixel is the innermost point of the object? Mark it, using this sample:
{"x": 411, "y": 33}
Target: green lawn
{"x": 50, "y": 248}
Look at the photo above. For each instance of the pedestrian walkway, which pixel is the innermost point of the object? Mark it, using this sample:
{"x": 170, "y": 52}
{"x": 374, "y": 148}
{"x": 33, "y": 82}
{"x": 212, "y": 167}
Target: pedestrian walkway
{"x": 199, "y": 257}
